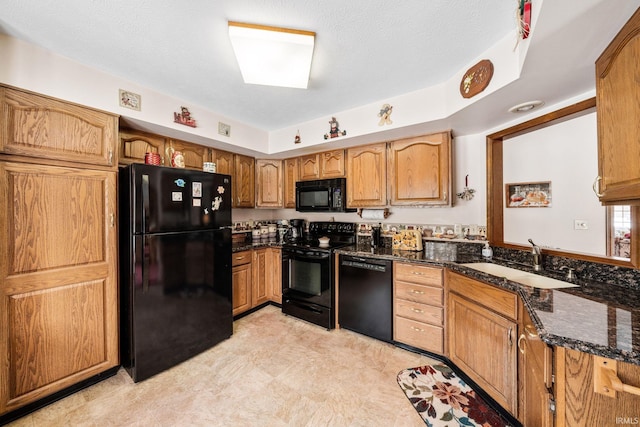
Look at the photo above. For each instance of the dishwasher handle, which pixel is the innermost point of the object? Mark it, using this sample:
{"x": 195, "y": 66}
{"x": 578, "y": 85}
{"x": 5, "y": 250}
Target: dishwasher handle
{"x": 365, "y": 263}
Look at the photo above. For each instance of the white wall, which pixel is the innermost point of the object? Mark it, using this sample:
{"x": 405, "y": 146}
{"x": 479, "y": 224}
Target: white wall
{"x": 565, "y": 154}
{"x": 29, "y": 67}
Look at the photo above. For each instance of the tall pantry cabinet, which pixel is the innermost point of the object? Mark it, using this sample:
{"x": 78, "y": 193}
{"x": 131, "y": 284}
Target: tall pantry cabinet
{"x": 58, "y": 248}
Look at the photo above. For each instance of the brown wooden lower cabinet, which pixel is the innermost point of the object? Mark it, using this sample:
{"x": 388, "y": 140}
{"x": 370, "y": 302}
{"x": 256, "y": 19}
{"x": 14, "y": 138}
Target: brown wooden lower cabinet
{"x": 577, "y": 402}
{"x": 257, "y": 278}
{"x": 58, "y": 285}
{"x": 419, "y": 306}
{"x": 261, "y": 277}
{"x": 482, "y": 336}
{"x": 242, "y": 281}
{"x": 535, "y": 365}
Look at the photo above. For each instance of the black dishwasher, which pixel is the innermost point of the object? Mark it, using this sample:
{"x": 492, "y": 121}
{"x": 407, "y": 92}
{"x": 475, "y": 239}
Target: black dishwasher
{"x": 365, "y": 296}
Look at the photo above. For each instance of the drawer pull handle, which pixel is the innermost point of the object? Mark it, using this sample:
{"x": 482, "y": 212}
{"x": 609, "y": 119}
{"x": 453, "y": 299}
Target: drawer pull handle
{"x": 522, "y": 338}
{"x": 416, "y": 310}
{"x": 417, "y": 329}
{"x": 413, "y": 291}
{"x": 417, "y": 273}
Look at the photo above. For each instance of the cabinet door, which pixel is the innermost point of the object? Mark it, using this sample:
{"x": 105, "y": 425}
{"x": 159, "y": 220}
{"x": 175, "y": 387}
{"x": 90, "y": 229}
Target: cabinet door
{"x": 244, "y": 181}
{"x": 275, "y": 268}
{"x": 241, "y": 281}
{"x": 223, "y": 161}
{"x": 482, "y": 344}
{"x": 579, "y": 405}
{"x": 366, "y": 176}
{"x": 290, "y": 179}
{"x": 618, "y": 104}
{"x": 58, "y": 285}
{"x": 194, "y": 155}
{"x": 332, "y": 164}
{"x": 309, "y": 167}
{"x": 46, "y": 128}
{"x": 420, "y": 170}
{"x": 134, "y": 145}
{"x": 534, "y": 376}
{"x": 261, "y": 277}
{"x": 269, "y": 183}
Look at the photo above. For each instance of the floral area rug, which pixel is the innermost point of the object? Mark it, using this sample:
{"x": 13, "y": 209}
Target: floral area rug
{"x": 444, "y": 400}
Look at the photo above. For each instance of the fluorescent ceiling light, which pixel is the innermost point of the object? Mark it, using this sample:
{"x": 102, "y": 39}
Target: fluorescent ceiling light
{"x": 272, "y": 56}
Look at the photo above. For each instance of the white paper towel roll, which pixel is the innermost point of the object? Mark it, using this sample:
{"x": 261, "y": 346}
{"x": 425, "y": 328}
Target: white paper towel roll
{"x": 372, "y": 213}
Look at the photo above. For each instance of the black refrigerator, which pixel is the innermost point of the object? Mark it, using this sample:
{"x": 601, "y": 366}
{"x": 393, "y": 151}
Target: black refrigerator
{"x": 175, "y": 266}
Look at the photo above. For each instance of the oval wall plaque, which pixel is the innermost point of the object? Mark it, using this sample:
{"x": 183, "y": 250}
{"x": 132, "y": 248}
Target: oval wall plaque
{"x": 476, "y": 79}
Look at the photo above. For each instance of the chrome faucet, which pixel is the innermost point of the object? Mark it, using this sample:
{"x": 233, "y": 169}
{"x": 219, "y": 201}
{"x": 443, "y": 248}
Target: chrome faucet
{"x": 537, "y": 256}
{"x": 571, "y": 273}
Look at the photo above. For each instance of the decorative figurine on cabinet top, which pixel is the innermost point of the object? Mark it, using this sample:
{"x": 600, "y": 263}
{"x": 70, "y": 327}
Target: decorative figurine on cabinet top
{"x": 385, "y": 115}
{"x": 184, "y": 117}
{"x": 335, "y": 131}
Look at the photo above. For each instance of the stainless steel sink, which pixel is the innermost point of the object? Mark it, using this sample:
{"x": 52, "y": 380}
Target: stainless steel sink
{"x": 519, "y": 276}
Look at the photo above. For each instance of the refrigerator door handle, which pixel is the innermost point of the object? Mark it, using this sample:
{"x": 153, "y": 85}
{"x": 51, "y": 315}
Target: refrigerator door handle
{"x": 146, "y": 263}
{"x": 145, "y": 202}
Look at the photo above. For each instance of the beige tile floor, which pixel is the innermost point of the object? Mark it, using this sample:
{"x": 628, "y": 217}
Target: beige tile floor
{"x": 274, "y": 371}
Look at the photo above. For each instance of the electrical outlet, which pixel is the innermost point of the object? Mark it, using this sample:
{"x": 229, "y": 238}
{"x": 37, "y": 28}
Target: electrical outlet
{"x": 580, "y": 224}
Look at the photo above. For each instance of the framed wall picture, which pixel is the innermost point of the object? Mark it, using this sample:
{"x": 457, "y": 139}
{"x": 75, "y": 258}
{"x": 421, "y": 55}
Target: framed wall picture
{"x": 130, "y": 100}
{"x": 528, "y": 194}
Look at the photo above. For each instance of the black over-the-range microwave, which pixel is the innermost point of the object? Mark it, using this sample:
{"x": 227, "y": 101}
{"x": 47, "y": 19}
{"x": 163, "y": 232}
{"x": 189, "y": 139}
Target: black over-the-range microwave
{"x": 323, "y": 195}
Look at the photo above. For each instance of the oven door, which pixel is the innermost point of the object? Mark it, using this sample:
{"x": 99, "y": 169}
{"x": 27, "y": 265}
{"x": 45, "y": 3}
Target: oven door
{"x": 307, "y": 276}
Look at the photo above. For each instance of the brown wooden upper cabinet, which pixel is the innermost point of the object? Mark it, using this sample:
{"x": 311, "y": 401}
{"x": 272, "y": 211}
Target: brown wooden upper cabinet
{"x": 242, "y": 171}
{"x": 309, "y": 167}
{"x": 223, "y": 161}
{"x": 269, "y": 183}
{"x": 332, "y": 164}
{"x": 243, "y": 181}
{"x": 46, "y": 128}
{"x": 618, "y": 105}
{"x": 290, "y": 179}
{"x": 419, "y": 170}
{"x": 328, "y": 164}
{"x": 135, "y": 144}
{"x": 194, "y": 155}
{"x": 366, "y": 176}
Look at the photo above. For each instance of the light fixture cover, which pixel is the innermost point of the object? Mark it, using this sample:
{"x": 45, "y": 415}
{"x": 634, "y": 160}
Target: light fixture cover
{"x": 272, "y": 56}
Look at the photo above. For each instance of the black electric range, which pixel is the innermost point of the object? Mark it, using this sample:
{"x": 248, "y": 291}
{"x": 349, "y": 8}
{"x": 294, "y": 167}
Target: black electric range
{"x": 308, "y": 290}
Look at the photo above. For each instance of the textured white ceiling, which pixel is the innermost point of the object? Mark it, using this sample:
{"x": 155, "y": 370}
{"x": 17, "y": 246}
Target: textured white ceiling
{"x": 366, "y": 50}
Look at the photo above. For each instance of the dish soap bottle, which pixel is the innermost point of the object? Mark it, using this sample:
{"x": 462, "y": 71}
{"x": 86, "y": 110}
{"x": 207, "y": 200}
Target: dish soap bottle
{"x": 487, "y": 252}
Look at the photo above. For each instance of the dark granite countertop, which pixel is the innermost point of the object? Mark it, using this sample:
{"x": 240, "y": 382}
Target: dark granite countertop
{"x": 247, "y": 246}
{"x": 594, "y": 317}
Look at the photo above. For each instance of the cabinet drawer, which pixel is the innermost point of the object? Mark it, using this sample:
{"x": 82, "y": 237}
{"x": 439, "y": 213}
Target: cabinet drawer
{"x": 420, "y": 335}
{"x": 240, "y": 258}
{"x": 498, "y": 300}
{"x": 419, "y": 293}
{"x": 418, "y": 274}
{"x": 419, "y": 312}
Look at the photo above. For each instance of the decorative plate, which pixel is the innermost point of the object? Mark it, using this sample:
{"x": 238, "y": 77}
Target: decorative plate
{"x": 476, "y": 79}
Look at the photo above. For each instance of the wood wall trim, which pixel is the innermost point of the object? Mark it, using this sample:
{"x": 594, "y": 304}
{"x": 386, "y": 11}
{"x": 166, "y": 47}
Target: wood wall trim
{"x": 495, "y": 185}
